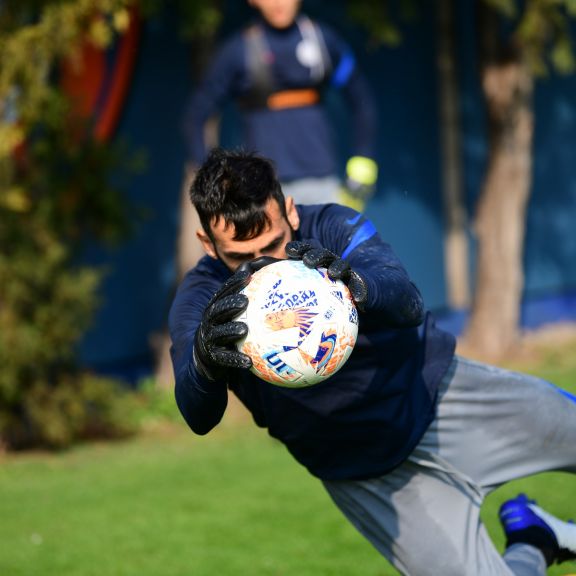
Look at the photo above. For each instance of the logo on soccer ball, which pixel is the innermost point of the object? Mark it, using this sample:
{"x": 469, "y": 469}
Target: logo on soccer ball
{"x": 302, "y": 326}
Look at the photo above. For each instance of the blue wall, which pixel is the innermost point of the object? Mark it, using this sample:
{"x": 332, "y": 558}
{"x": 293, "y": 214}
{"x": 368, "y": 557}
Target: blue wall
{"x": 140, "y": 273}
{"x": 551, "y": 234}
{"x": 550, "y": 246}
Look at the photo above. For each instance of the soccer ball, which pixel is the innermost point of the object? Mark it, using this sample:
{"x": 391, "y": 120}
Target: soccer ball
{"x": 302, "y": 326}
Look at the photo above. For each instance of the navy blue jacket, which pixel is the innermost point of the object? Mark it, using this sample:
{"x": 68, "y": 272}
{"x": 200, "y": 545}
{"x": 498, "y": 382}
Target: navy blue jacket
{"x": 298, "y": 140}
{"x": 366, "y": 418}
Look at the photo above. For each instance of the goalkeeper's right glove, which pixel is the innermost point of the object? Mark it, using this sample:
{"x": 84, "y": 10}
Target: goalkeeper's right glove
{"x": 215, "y": 351}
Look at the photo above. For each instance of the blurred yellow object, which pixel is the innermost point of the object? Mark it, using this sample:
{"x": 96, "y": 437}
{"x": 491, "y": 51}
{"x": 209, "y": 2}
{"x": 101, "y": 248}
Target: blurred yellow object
{"x": 361, "y": 176}
{"x": 100, "y": 33}
{"x": 11, "y": 136}
{"x": 347, "y": 199}
{"x": 121, "y": 20}
{"x": 362, "y": 170}
{"x": 16, "y": 200}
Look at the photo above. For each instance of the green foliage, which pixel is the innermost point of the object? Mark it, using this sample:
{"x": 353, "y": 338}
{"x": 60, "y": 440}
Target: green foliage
{"x": 46, "y": 304}
{"x": 44, "y": 312}
{"x": 47, "y": 300}
{"x": 155, "y": 405}
{"x": 377, "y": 19}
{"x": 541, "y": 32}
{"x": 505, "y": 7}
{"x": 541, "y": 28}
{"x": 55, "y": 194}
{"x": 197, "y": 18}
{"x": 34, "y": 36}
{"x": 79, "y": 407}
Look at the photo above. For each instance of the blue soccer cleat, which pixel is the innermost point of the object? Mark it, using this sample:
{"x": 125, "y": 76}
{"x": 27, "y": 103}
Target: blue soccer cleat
{"x": 526, "y": 523}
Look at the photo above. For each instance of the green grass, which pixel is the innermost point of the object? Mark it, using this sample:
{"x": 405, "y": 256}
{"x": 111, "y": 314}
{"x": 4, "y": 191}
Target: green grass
{"x": 174, "y": 504}
{"x": 169, "y": 503}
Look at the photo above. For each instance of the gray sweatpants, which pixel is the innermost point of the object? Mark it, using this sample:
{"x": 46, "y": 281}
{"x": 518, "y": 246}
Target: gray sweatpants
{"x": 492, "y": 426}
{"x": 324, "y": 190}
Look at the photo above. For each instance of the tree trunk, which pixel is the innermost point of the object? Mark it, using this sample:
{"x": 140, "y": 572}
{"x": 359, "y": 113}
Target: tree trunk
{"x": 501, "y": 215}
{"x": 455, "y": 235}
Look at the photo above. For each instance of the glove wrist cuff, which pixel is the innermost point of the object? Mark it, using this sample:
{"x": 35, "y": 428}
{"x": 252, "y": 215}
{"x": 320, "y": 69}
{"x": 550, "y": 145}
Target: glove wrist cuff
{"x": 202, "y": 368}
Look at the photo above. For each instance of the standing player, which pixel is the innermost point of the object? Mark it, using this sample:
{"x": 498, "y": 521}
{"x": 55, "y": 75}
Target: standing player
{"x": 407, "y": 437}
{"x": 278, "y": 70}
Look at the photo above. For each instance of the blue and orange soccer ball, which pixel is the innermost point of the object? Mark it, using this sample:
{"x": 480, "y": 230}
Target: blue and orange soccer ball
{"x": 302, "y": 326}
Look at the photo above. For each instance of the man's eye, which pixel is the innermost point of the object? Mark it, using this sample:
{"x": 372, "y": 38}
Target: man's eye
{"x": 274, "y": 246}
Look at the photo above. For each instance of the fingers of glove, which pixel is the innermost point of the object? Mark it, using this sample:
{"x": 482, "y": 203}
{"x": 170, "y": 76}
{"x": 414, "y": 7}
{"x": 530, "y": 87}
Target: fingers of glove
{"x": 358, "y": 289}
{"x": 296, "y": 249}
{"x": 339, "y": 269}
{"x": 224, "y": 334}
{"x": 318, "y": 257}
{"x": 230, "y": 358}
{"x": 256, "y": 264}
{"x": 234, "y": 284}
{"x": 226, "y": 308}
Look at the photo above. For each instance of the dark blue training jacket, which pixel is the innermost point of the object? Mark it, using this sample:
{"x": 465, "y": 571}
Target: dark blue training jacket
{"x": 298, "y": 140}
{"x": 366, "y": 418}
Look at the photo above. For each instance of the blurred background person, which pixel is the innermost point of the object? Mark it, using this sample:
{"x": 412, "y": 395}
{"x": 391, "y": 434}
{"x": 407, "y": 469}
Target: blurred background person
{"x": 277, "y": 70}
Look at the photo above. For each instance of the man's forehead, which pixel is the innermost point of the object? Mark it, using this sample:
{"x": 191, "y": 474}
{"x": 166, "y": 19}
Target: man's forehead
{"x": 220, "y": 225}
{"x": 226, "y": 228}
{"x": 225, "y": 239}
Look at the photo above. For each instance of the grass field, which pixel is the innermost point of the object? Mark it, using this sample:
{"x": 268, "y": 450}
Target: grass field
{"x": 233, "y": 503}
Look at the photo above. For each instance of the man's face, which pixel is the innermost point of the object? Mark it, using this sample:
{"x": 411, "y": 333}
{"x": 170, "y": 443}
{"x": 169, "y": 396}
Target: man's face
{"x": 278, "y": 13}
{"x": 270, "y": 242}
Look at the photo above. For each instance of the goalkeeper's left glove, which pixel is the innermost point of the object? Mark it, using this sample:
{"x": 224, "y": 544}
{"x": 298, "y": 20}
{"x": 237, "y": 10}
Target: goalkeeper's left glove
{"x": 336, "y": 267}
{"x": 361, "y": 176}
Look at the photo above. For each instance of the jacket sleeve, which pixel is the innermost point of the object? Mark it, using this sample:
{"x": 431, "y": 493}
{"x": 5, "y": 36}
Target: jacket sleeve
{"x": 219, "y": 83}
{"x": 201, "y": 402}
{"x": 347, "y": 77}
{"x": 393, "y": 299}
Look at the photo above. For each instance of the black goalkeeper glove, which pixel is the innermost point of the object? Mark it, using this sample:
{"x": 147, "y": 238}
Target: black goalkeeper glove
{"x": 215, "y": 349}
{"x": 337, "y": 268}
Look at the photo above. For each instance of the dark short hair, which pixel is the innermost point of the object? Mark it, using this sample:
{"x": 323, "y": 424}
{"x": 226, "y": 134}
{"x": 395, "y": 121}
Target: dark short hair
{"x": 236, "y": 185}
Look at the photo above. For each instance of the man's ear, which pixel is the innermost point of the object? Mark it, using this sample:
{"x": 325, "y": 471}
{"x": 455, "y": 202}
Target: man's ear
{"x": 292, "y": 214}
{"x": 207, "y": 244}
